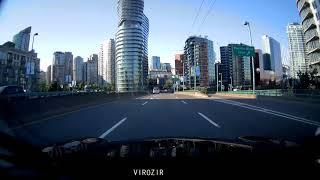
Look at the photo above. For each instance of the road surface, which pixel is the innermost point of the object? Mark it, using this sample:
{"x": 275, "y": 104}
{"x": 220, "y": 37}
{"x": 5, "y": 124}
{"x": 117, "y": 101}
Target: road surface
{"x": 171, "y": 115}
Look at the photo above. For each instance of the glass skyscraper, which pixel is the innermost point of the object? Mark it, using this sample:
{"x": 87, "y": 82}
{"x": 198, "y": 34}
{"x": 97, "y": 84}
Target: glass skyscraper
{"x": 271, "y": 48}
{"x": 22, "y": 39}
{"x": 156, "y": 64}
{"x": 132, "y": 47}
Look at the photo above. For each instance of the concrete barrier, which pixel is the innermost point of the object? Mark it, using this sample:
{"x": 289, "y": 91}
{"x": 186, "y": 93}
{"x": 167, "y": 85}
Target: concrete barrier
{"x": 19, "y": 112}
{"x": 192, "y": 93}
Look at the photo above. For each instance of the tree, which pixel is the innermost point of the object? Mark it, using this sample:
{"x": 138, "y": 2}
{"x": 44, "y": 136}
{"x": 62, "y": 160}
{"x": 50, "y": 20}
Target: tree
{"x": 43, "y": 87}
{"x": 304, "y": 80}
{"x": 54, "y": 86}
{"x": 168, "y": 84}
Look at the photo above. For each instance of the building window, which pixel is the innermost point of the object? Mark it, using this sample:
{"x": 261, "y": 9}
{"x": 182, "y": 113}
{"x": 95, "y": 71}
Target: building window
{"x": 318, "y": 15}
{"x": 314, "y": 5}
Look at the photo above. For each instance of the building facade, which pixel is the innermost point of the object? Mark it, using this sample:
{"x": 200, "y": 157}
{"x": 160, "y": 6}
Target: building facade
{"x": 58, "y": 68}
{"x": 19, "y": 67}
{"x": 22, "y": 39}
{"x": 297, "y": 50}
{"x": 68, "y": 67}
{"x": 77, "y": 69}
{"x": 166, "y": 66}
{"x": 156, "y": 63}
{"x": 310, "y": 17}
{"x": 272, "y": 55}
{"x": 48, "y": 75}
{"x": 92, "y": 70}
{"x": 179, "y": 59}
{"x": 236, "y": 71}
{"x": 199, "y": 62}
{"x": 132, "y": 47}
{"x": 106, "y": 64}
{"x": 62, "y": 68}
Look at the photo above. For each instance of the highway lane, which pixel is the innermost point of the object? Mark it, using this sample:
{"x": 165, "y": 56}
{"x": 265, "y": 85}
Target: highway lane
{"x": 164, "y": 115}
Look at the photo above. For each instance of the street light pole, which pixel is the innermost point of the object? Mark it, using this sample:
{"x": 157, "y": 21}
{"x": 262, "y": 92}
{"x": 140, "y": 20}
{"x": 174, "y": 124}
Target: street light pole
{"x": 183, "y": 74}
{"x": 217, "y": 77}
{"x": 36, "y": 34}
{"x": 252, "y": 60}
{"x": 221, "y": 80}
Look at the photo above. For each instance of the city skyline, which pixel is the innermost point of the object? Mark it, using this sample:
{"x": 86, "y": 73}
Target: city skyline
{"x": 50, "y": 38}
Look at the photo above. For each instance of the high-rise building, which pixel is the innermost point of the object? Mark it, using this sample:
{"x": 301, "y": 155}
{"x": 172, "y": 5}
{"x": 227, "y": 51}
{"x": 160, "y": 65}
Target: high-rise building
{"x": 48, "y": 74}
{"x": 156, "y": 63}
{"x": 68, "y": 67}
{"x": 272, "y": 55}
{"x": 92, "y": 70}
{"x": 166, "y": 67}
{"x": 22, "y": 39}
{"x": 297, "y": 50}
{"x": 179, "y": 58}
{"x": 18, "y": 67}
{"x": 310, "y": 16}
{"x": 236, "y": 71}
{"x": 58, "y": 68}
{"x": 199, "y": 62}
{"x": 106, "y": 65}
{"x": 77, "y": 69}
{"x": 132, "y": 47}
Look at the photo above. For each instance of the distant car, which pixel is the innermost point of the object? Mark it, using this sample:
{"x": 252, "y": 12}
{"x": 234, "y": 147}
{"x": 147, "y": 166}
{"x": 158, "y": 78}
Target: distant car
{"x": 12, "y": 92}
{"x": 156, "y": 90}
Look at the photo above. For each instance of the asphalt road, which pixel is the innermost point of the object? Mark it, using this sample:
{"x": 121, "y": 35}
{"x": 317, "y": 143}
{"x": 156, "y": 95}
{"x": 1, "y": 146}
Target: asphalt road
{"x": 170, "y": 115}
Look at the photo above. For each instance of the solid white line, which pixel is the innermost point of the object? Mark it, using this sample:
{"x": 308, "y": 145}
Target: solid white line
{"x": 144, "y": 103}
{"x": 184, "y": 102}
{"x": 268, "y": 111}
{"x": 113, "y": 128}
{"x": 208, "y": 119}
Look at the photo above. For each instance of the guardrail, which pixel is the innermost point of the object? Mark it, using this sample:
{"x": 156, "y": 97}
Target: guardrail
{"x": 280, "y": 92}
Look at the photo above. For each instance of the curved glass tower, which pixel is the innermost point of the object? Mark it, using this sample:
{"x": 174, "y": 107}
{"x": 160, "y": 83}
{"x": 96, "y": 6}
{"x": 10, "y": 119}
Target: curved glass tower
{"x": 131, "y": 47}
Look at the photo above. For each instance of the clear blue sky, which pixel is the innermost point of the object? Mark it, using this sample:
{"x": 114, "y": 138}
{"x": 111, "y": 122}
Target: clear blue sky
{"x": 80, "y": 26}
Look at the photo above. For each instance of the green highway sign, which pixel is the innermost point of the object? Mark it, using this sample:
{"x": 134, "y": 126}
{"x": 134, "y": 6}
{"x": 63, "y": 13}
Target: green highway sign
{"x": 243, "y": 50}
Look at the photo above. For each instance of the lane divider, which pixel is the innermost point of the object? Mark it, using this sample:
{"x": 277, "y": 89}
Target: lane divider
{"x": 112, "y": 128}
{"x": 268, "y": 111}
{"x": 144, "y": 103}
{"x": 210, "y": 121}
{"x": 184, "y": 102}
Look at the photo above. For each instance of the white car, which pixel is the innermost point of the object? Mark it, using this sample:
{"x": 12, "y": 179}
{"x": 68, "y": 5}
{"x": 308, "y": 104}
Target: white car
{"x": 156, "y": 90}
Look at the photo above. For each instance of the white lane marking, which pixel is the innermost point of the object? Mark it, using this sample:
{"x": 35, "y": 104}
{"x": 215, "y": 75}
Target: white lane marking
{"x": 176, "y": 97}
{"x": 113, "y": 128}
{"x": 144, "y": 103}
{"x": 151, "y": 98}
{"x": 210, "y": 121}
{"x": 268, "y": 111}
{"x": 184, "y": 102}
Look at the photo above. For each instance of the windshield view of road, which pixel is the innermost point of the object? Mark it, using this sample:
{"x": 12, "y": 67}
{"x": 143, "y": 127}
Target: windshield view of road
{"x": 104, "y": 81}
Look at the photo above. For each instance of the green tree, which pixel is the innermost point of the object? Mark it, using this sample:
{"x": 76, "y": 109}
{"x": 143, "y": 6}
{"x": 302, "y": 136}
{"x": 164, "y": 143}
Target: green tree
{"x": 168, "y": 84}
{"x": 43, "y": 87}
{"x": 304, "y": 80}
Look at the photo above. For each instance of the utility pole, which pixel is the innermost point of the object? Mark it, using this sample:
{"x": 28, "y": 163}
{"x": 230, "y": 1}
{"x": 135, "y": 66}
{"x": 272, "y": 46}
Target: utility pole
{"x": 252, "y": 60}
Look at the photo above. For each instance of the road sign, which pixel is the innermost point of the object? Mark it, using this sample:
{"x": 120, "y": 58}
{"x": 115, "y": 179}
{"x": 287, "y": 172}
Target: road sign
{"x": 243, "y": 51}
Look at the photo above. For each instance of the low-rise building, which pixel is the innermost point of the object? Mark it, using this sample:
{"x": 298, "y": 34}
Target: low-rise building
{"x": 18, "y": 67}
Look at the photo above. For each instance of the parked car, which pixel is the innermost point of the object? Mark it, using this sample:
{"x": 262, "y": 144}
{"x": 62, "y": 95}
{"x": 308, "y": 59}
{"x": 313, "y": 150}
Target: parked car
{"x": 156, "y": 90}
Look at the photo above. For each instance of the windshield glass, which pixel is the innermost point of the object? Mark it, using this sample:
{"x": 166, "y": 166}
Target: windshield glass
{"x": 139, "y": 69}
